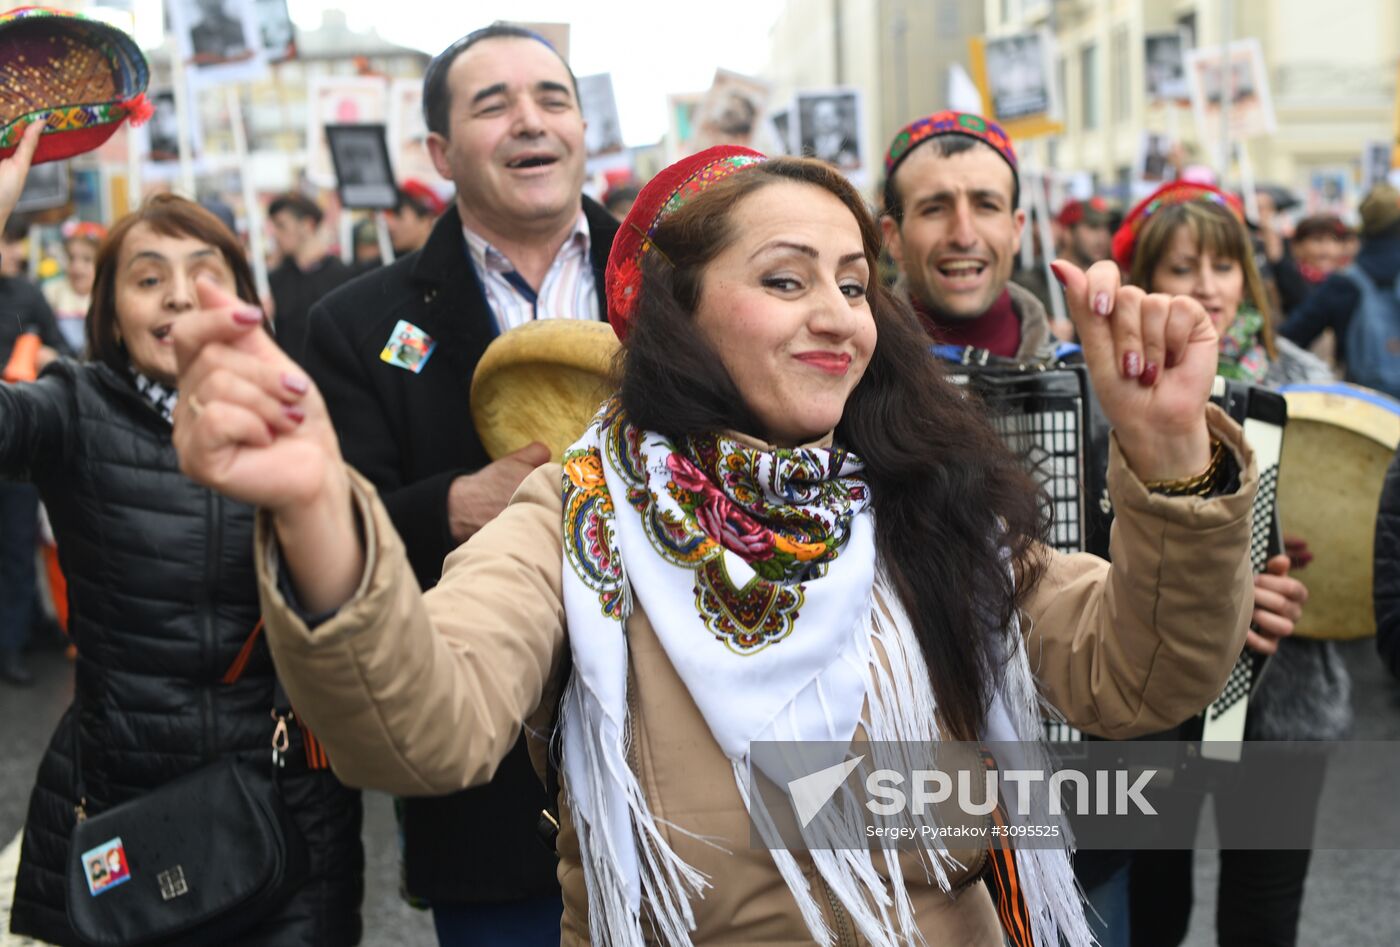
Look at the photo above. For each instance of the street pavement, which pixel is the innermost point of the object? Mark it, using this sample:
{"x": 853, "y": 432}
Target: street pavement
{"x": 1351, "y": 898}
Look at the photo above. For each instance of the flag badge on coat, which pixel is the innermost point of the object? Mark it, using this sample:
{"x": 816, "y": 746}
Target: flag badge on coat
{"x": 408, "y": 347}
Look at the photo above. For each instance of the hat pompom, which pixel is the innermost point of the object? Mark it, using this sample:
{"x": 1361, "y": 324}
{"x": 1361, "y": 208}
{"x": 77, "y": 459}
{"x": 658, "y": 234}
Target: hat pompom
{"x": 139, "y": 109}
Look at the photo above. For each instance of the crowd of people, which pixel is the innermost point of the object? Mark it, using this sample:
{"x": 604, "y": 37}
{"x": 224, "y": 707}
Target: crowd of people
{"x": 823, "y": 539}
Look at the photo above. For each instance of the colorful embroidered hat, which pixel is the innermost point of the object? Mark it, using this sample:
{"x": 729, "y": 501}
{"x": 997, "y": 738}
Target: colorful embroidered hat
{"x": 951, "y": 123}
{"x": 81, "y": 77}
{"x": 1168, "y": 195}
{"x": 670, "y": 190}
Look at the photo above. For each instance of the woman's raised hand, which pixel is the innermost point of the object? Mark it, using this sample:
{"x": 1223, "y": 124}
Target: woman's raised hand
{"x": 15, "y": 168}
{"x": 251, "y": 425}
{"x": 1152, "y": 361}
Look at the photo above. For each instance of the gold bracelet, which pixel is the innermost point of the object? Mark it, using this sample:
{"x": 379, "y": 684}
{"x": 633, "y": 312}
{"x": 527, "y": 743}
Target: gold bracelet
{"x": 1199, "y": 485}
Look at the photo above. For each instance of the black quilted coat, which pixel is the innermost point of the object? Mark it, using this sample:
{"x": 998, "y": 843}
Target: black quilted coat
{"x": 162, "y": 597}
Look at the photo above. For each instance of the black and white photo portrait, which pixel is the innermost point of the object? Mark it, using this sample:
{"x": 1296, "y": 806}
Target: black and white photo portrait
{"x": 364, "y": 176}
{"x": 1165, "y": 67}
{"x": 217, "y": 32}
{"x": 1018, "y": 76}
{"x": 164, "y": 127}
{"x": 1155, "y": 159}
{"x": 275, "y": 30}
{"x": 602, "y": 135}
{"x": 828, "y": 127}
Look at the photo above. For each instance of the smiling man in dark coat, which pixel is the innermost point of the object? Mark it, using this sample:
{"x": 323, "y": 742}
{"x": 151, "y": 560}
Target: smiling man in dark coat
{"x": 393, "y": 352}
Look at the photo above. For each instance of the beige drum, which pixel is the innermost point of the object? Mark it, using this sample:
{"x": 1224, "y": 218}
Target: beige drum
{"x": 542, "y": 381}
{"x": 1338, "y": 443}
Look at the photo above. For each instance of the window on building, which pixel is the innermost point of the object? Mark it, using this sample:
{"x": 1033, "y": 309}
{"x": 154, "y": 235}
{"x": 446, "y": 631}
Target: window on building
{"x": 1089, "y": 86}
{"x": 1122, "y": 71}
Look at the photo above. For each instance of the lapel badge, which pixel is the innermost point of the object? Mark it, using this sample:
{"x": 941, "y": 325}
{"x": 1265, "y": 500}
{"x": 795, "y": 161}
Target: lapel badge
{"x": 408, "y": 347}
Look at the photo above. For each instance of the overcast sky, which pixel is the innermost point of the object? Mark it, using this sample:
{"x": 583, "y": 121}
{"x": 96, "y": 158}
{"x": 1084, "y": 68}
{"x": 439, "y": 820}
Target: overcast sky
{"x": 651, "y": 48}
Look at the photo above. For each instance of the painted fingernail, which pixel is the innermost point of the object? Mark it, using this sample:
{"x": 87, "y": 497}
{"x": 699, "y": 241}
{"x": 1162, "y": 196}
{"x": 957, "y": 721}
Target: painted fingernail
{"x": 1132, "y": 365}
{"x": 294, "y": 414}
{"x": 1149, "y": 375}
{"x": 297, "y": 383}
{"x": 1055, "y": 268}
{"x": 1171, "y": 359}
{"x": 1101, "y": 303}
{"x": 247, "y": 317}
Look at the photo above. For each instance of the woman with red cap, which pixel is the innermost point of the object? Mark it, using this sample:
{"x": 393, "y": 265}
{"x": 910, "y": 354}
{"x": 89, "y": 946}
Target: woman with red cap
{"x": 1190, "y": 239}
{"x": 786, "y": 526}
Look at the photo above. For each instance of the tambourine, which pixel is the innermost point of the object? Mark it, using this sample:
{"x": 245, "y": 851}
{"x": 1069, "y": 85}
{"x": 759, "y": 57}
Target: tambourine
{"x": 542, "y": 381}
{"x": 1340, "y": 441}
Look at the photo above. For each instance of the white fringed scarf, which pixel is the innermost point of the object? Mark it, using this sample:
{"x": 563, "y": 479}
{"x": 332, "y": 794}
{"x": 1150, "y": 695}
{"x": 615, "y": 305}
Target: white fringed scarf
{"x": 757, "y": 570}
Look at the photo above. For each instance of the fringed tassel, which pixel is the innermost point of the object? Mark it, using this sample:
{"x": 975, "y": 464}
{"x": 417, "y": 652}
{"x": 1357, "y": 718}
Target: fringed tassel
{"x": 139, "y": 109}
{"x": 667, "y": 882}
{"x": 787, "y": 865}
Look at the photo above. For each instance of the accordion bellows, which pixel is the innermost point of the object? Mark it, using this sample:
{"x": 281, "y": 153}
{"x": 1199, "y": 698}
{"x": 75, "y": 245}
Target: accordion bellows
{"x": 81, "y": 77}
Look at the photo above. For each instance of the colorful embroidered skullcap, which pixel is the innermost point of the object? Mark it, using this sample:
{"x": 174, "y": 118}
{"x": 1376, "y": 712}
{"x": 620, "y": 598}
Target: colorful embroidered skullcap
{"x": 664, "y": 194}
{"x": 950, "y": 123}
{"x": 1168, "y": 195}
{"x": 82, "y": 78}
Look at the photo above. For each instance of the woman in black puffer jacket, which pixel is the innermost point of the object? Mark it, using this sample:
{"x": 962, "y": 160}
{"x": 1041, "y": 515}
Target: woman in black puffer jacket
{"x": 161, "y": 588}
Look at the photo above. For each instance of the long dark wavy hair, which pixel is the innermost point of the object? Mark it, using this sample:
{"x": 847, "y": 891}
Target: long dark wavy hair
{"x": 958, "y": 524}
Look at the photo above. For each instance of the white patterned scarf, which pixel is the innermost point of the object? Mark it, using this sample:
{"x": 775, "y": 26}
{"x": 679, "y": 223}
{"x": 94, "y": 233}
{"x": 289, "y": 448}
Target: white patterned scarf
{"x": 757, "y": 570}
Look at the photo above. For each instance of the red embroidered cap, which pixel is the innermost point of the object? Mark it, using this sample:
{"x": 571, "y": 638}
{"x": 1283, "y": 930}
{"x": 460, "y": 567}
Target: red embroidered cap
{"x": 82, "y": 78}
{"x": 670, "y": 190}
{"x": 1169, "y": 194}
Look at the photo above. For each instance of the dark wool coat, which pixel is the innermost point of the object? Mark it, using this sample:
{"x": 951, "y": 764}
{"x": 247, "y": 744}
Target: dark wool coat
{"x": 411, "y": 435}
{"x": 162, "y": 597}
{"x": 1386, "y": 588}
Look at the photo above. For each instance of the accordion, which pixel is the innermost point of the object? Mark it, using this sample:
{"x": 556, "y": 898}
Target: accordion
{"x": 1049, "y": 419}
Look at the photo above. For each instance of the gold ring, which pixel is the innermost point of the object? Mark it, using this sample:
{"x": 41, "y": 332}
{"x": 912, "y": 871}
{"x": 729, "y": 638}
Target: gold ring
{"x": 194, "y": 404}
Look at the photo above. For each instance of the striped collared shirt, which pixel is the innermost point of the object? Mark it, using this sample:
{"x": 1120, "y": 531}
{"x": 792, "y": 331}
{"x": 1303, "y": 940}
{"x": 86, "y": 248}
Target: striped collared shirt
{"x": 569, "y": 290}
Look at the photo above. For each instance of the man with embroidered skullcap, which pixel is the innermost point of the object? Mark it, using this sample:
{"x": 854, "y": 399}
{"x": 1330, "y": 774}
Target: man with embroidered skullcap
{"x": 952, "y": 225}
{"x": 393, "y": 353}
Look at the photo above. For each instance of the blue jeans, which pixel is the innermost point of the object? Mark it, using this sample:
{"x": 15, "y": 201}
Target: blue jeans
{"x": 530, "y": 923}
{"x": 19, "y": 517}
{"x": 1108, "y": 909}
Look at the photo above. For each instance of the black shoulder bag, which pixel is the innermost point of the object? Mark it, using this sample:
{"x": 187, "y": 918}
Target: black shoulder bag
{"x": 198, "y": 860}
